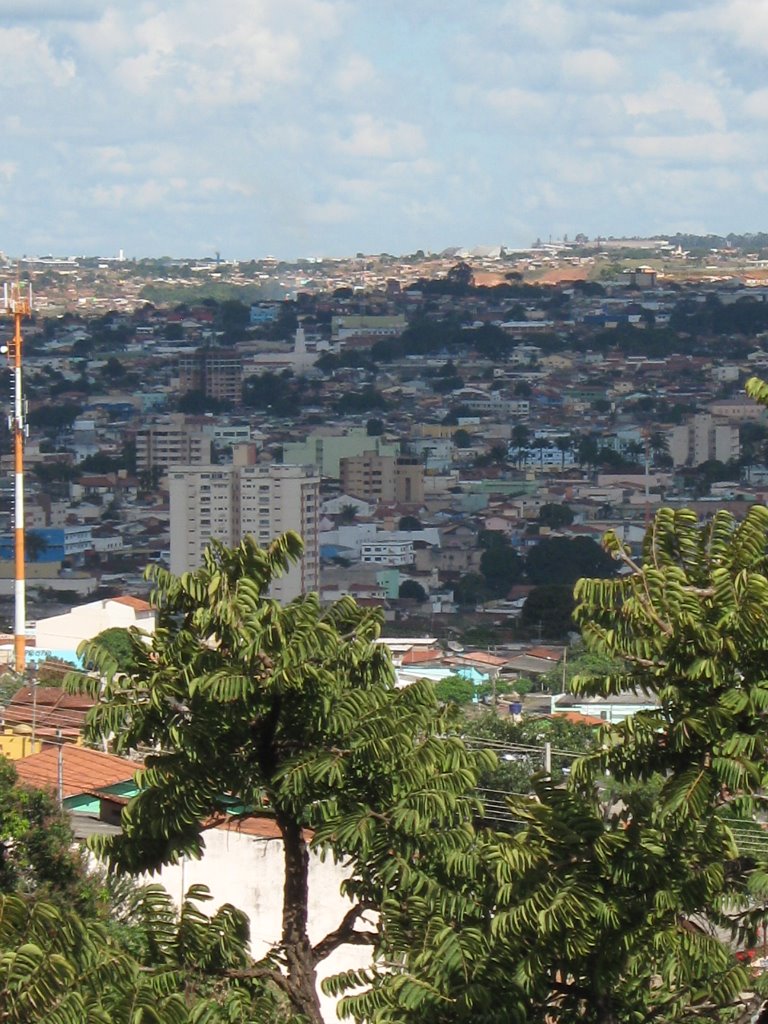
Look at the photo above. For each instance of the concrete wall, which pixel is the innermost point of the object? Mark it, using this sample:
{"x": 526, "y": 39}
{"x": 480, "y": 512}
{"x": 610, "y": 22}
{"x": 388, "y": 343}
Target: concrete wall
{"x": 247, "y": 871}
{"x": 66, "y": 632}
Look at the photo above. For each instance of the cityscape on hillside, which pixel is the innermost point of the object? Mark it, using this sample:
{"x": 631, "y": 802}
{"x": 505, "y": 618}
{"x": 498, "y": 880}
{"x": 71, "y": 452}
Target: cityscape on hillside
{"x": 451, "y": 434}
{"x": 383, "y": 512}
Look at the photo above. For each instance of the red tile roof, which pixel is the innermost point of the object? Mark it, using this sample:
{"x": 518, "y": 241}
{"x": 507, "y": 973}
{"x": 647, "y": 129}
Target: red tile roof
{"x": 133, "y": 602}
{"x": 51, "y": 708}
{"x": 84, "y": 770}
{"x": 577, "y": 718}
{"x": 260, "y": 826}
{"x": 482, "y": 658}
{"x": 421, "y": 655}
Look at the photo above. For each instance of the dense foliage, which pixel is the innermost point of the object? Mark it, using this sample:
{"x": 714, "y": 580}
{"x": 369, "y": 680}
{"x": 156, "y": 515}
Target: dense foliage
{"x": 593, "y": 910}
{"x": 292, "y": 710}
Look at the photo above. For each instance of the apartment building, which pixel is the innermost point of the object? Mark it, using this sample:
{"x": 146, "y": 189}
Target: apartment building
{"x": 227, "y": 502}
{"x": 383, "y": 478}
{"x": 217, "y": 372}
{"x": 173, "y": 440}
{"x": 703, "y": 438}
{"x": 325, "y": 450}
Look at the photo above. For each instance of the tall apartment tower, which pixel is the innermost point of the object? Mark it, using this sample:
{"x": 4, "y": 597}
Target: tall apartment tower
{"x": 217, "y": 372}
{"x": 702, "y": 438}
{"x": 227, "y": 502}
{"x": 173, "y": 440}
{"x": 386, "y": 478}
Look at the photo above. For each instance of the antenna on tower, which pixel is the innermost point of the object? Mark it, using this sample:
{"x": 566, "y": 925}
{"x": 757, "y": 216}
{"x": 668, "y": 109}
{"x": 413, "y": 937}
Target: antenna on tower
{"x": 18, "y": 304}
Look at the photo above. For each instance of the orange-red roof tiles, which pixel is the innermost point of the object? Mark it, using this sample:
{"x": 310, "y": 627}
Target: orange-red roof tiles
{"x": 133, "y": 602}
{"x": 420, "y": 655}
{"x": 83, "y": 770}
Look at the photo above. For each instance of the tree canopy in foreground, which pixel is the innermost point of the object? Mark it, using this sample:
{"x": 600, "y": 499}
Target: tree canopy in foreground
{"x": 594, "y": 910}
{"x": 290, "y": 710}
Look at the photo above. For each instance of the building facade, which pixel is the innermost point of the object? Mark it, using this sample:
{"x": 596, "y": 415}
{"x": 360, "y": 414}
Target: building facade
{"x": 217, "y": 372}
{"x": 227, "y": 502}
{"x": 325, "y": 451}
{"x": 383, "y": 478}
{"x": 703, "y": 438}
{"x": 173, "y": 440}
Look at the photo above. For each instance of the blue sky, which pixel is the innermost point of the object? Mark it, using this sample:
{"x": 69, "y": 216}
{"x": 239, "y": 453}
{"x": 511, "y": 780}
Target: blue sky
{"x": 327, "y": 127}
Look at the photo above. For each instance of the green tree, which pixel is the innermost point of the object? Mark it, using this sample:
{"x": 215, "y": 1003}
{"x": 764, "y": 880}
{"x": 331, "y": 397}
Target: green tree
{"x": 113, "y": 369}
{"x": 455, "y": 689}
{"x": 291, "y": 709}
{"x": 37, "y": 856}
{"x": 587, "y": 451}
{"x": 470, "y": 589}
{"x": 412, "y": 590}
{"x": 520, "y": 440}
{"x": 58, "y": 968}
{"x": 462, "y": 438}
{"x": 616, "y": 912}
{"x": 554, "y": 515}
{"x": 564, "y": 444}
{"x": 563, "y": 560}
{"x": 501, "y": 567}
{"x": 409, "y": 523}
{"x": 547, "y": 612}
{"x": 35, "y": 545}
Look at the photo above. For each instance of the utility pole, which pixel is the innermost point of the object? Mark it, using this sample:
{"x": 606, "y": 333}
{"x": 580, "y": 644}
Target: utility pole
{"x": 18, "y": 305}
{"x": 60, "y": 768}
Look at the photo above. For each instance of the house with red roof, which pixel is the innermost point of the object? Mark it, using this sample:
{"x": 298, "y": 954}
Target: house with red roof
{"x": 65, "y": 633}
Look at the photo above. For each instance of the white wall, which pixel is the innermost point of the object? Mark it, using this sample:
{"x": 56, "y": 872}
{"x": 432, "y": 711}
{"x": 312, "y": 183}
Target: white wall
{"x": 247, "y": 872}
{"x": 84, "y": 622}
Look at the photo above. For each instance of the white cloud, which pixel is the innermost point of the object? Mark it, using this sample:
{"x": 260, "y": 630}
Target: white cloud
{"x": 335, "y": 211}
{"x": 552, "y": 23}
{"x": 756, "y": 104}
{"x": 674, "y": 95}
{"x": 372, "y": 138}
{"x": 27, "y": 58}
{"x": 515, "y": 102}
{"x": 354, "y": 73}
{"x": 705, "y": 147}
{"x": 591, "y": 67}
{"x": 332, "y": 125}
{"x": 745, "y": 22}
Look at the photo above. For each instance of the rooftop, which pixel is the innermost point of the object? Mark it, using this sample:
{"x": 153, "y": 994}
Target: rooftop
{"x": 84, "y": 770}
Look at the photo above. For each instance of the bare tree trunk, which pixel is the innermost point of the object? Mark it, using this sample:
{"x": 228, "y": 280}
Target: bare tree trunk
{"x": 302, "y": 976}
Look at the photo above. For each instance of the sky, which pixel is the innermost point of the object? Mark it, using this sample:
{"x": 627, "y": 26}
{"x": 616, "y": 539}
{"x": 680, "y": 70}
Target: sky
{"x": 328, "y": 127}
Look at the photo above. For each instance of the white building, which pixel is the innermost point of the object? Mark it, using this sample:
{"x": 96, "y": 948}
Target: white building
{"x": 66, "y": 632}
{"x": 173, "y": 440}
{"x": 227, "y": 502}
{"x": 243, "y": 864}
{"x": 703, "y": 438}
{"x": 387, "y": 548}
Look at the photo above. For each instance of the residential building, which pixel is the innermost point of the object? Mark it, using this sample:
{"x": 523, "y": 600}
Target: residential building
{"x": 703, "y": 438}
{"x": 387, "y": 549}
{"x": 217, "y": 372}
{"x": 360, "y": 325}
{"x": 325, "y": 451}
{"x": 173, "y": 440}
{"x": 227, "y": 502}
{"x": 383, "y": 478}
{"x": 66, "y": 632}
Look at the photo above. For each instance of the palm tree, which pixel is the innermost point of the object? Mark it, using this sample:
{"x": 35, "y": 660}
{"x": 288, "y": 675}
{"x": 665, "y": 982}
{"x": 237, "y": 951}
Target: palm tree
{"x": 521, "y": 439}
{"x": 633, "y": 450}
{"x": 564, "y": 444}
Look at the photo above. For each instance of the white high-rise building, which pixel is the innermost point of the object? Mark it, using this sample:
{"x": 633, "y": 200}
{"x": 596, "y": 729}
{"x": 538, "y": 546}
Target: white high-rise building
{"x": 227, "y": 502}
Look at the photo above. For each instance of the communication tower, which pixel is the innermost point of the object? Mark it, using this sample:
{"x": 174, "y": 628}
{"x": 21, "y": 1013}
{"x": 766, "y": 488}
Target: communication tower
{"x": 18, "y": 304}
